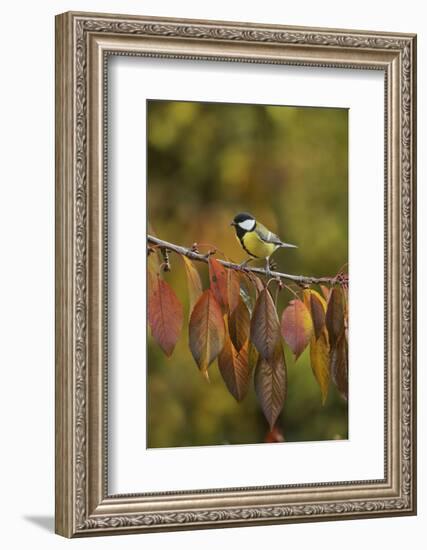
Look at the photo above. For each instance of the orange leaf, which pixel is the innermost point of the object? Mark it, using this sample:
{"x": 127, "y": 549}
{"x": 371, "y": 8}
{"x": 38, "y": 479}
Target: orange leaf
{"x": 233, "y": 289}
{"x": 271, "y": 384}
{"x": 319, "y": 359}
{"x": 297, "y": 326}
{"x": 265, "y": 326}
{"x": 193, "y": 281}
{"x": 165, "y": 314}
{"x": 234, "y": 368}
{"x": 239, "y": 324}
{"x": 206, "y": 331}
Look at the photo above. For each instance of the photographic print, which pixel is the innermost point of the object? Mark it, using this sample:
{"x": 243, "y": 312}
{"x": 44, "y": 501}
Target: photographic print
{"x": 223, "y": 339}
{"x": 247, "y": 273}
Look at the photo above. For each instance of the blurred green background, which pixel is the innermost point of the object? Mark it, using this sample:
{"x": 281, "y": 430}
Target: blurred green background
{"x": 288, "y": 166}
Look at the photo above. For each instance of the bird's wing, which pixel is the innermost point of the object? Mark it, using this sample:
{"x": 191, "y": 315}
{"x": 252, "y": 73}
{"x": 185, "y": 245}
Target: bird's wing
{"x": 266, "y": 235}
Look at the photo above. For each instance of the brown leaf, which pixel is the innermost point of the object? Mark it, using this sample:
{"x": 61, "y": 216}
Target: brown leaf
{"x": 253, "y": 356}
{"x": 265, "y": 326}
{"x": 335, "y": 316}
{"x": 206, "y": 331}
{"x": 296, "y": 326}
{"x": 319, "y": 359}
{"x": 258, "y": 284}
{"x": 219, "y": 282}
{"x": 271, "y": 384}
{"x": 165, "y": 315}
{"x": 339, "y": 366}
{"x": 194, "y": 283}
{"x": 234, "y": 368}
{"x": 233, "y": 289}
{"x": 239, "y": 323}
{"x": 317, "y": 309}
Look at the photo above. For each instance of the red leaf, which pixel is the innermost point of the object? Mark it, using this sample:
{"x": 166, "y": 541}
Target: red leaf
{"x": 271, "y": 384}
{"x": 165, "y": 314}
{"x": 265, "y": 326}
{"x": 239, "y": 325}
{"x": 297, "y": 326}
{"x": 206, "y": 331}
{"x": 219, "y": 282}
{"x": 234, "y": 369}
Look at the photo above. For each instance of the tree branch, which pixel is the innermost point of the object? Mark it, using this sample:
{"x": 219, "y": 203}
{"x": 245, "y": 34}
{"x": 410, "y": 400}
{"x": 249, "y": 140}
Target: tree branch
{"x": 192, "y": 255}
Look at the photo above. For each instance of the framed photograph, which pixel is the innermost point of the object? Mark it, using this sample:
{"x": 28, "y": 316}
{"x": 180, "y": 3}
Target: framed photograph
{"x": 235, "y": 274}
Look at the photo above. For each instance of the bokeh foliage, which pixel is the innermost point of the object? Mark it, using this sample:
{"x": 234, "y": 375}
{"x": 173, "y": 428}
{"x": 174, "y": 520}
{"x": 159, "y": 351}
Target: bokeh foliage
{"x": 288, "y": 166}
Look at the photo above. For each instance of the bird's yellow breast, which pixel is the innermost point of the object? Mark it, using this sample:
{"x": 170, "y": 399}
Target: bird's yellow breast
{"x": 257, "y": 247}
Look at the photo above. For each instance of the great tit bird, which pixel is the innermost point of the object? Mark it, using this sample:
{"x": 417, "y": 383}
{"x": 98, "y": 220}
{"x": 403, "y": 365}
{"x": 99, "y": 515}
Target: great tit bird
{"x": 256, "y": 239}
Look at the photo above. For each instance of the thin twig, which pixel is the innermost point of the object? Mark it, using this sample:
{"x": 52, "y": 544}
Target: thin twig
{"x": 192, "y": 255}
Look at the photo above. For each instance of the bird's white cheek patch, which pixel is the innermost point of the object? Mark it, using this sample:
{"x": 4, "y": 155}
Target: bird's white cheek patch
{"x": 247, "y": 225}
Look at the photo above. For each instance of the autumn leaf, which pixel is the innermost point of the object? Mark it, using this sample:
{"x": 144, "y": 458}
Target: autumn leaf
{"x": 317, "y": 313}
{"x": 335, "y": 316}
{"x": 193, "y": 281}
{"x": 206, "y": 331}
{"x": 239, "y": 325}
{"x": 296, "y": 326}
{"x": 339, "y": 365}
{"x": 271, "y": 384}
{"x": 233, "y": 289}
{"x": 265, "y": 325}
{"x": 219, "y": 282}
{"x": 319, "y": 344}
{"x": 234, "y": 368}
{"x": 319, "y": 359}
{"x": 253, "y": 356}
{"x": 165, "y": 314}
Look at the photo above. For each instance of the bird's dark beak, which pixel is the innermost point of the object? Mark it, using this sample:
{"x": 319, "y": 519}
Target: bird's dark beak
{"x": 233, "y": 223}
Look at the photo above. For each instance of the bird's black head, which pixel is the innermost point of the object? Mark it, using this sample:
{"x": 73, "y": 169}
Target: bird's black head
{"x": 243, "y": 222}
{"x": 242, "y": 217}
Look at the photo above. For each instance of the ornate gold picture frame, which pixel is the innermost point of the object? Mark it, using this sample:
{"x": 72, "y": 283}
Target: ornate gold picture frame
{"x": 84, "y": 42}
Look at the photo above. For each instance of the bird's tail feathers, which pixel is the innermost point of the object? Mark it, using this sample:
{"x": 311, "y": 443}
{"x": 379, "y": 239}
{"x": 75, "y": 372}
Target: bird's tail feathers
{"x": 287, "y": 245}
